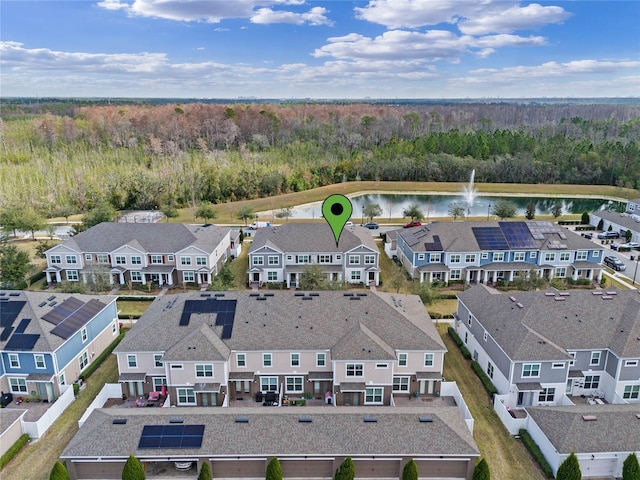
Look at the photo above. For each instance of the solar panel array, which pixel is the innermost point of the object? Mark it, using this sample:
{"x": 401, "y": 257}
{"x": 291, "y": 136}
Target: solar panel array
{"x": 434, "y": 246}
{"x": 225, "y": 310}
{"x": 171, "y": 436}
{"x": 9, "y": 311}
{"x": 63, "y": 310}
{"x": 517, "y": 234}
{"x": 539, "y": 228}
{"x": 75, "y": 319}
{"x": 22, "y": 341}
{"x": 490, "y": 238}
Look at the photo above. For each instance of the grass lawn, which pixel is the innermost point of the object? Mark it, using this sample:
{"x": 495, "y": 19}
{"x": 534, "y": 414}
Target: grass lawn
{"x": 508, "y": 459}
{"x": 133, "y": 307}
{"x": 35, "y": 461}
{"x": 239, "y": 267}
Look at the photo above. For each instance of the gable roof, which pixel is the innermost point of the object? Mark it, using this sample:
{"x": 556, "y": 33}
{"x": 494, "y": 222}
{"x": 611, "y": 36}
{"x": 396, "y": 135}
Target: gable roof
{"x": 544, "y": 327}
{"x": 147, "y": 237}
{"x": 616, "y": 428}
{"x": 312, "y": 237}
{"x": 200, "y": 344}
{"x": 362, "y": 344}
{"x": 284, "y": 321}
{"x": 626, "y": 220}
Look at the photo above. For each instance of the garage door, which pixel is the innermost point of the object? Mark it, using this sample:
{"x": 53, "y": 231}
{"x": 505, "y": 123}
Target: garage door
{"x": 377, "y": 468}
{"x": 604, "y": 467}
{"x": 239, "y": 468}
{"x": 442, "y": 469}
{"x": 99, "y": 470}
{"x": 307, "y": 468}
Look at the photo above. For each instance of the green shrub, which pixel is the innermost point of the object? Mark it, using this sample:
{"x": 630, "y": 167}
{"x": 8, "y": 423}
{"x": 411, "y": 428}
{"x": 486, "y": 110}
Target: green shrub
{"x": 536, "y": 453}
{"x": 486, "y": 381}
{"x": 101, "y": 358}
{"x": 145, "y": 298}
{"x": 274, "y": 470}
{"x": 205, "y": 471}
{"x": 481, "y": 472}
{"x": 631, "y": 468}
{"x": 569, "y": 469}
{"x": 132, "y": 469}
{"x": 346, "y": 470}
{"x": 59, "y": 472}
{"x": 410, "y": 470}
{"x": 465, "y": 352}
{"x": 14, "y": 449}
{"x": 454, "y": 335}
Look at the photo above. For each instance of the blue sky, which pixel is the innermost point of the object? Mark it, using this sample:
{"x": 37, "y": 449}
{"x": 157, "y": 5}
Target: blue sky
{"x": 312, "y": 49}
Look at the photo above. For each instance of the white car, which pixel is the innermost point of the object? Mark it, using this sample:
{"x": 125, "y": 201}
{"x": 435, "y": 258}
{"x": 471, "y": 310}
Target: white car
{"x": 183, "y": 466}
{"x": 632, "y": 245}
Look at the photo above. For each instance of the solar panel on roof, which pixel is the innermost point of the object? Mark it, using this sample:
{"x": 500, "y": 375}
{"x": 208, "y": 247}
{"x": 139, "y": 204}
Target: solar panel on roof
{"x": 226, "y": 332}
{"x": 42, "y": 304}
{"x": 22, "y": 341}
{"x": 152, "y": 430}
{"x": 171, "y": 436}
{"x": 490, "y": 238}
{"x": 149, "y": 442}
{"x": 24, "y": 323}
{"x": 517, "y": 234}
{"x": 14, "y": 294}
{"x": 6, "y": 333}
{"x": 191, "y": 442}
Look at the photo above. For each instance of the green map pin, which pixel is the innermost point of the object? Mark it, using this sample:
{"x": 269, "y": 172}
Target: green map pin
{"x": 337, "y": 210}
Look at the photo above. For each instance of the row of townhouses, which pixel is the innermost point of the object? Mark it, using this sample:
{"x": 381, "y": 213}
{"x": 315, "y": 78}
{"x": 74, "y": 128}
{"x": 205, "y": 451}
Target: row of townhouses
{"x": 620, "y": 222}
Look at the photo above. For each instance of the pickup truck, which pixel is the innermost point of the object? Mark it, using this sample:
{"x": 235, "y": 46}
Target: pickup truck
{"x": 258, "y": 225}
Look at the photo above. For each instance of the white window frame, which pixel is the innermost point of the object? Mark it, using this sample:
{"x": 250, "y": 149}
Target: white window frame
{"x": 18, "y": 385}
{"x": 435, "y": 257}
{"x": 157, "y": 360}
{"x": 557, "y": 365}
{"x": 61, "y": 379}
{"x": 83, "y": 360}
{"x": 272, "y": 276}
{"x": 324, "y": 259}
{"x": 455, "y": 274}
{"x": 271, "y": 384}
{"x": 374, "y": 396}
{"x": 582, "y": 255}
{"x": 533, "y": 254}
{"x": 573, "y": 356}
{"x": 631, "y": 392}
{"x": 158, "y": 382}
{"x": 71, "y": 259}
{"x": 121, "y": 259}
{"x": 381, "y": 366}
{"x": 533, "y": 370}
{"x": 188, "y": 276}
{"x": 156, "y": 260}
{"x": 596, "y": 253}
{"x": 421, "y": 256}
{"x": 186, "y": 396}
{"x": 403, "y": 359}
{"x": 294, "y": 359}
{"x": 498, "y": 256}
{"x": 83, "y": 334}
{"x": 484, "y": 255}
{"x": 201, "y": 261}
{"x": 354, "y": 370}
{"x": 565, "y": 256}
{"x": 519, "y": 256}
{"x": 549, "y": 257}
{"x": 204, "y": 370}
{"x": 455, "y": 258}
{"x": 303, "y": 259}
{"x": 72, "y": 275}
{"x": 356, "y": 275}
{"x": 485, "y": 336}
{"x": 177, "y": 366}
{"x": 169, "y": 258}
{"x": 561, "y": 272}
{"x": 267, "y": 360}
{"x": 429, "y": 359}
{"x": 401, "y": 384}
{"x": 39, "y": 361}
{"x": 14, "y": 360}
{"x": 470, "y": 258}
{"x": 88, "y": 257}
{"x": 490, "y": 369}
{"x": 241, "y": 360}
{"x": 132, "y": 360}
{"x": 354, "y": 259}
{"x": 369, "y": 259}
{"x": 631, "y": 363}
{"x": 595, "y": 358}
{"x": 593, "y": 383}
{"x": 55, "y": 259}
{"x": 185, "y": 261}
{"x": 273, "y": 260}
{"x": 136, "y": 260}
{"x": 547, "y": 395}
{"x": 136, "y": 276}
{"x": 257, "y": 260}
{"x": 321, "y": 359}
{"x": 293, "y": 384}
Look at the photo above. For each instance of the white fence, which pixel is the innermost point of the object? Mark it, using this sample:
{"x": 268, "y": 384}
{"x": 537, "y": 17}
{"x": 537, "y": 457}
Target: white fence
{"x": 38, "y": 428}
{"x": 512, "y": 424}
{"x": 110, "y": 390}
{"x": 450, "y": 389}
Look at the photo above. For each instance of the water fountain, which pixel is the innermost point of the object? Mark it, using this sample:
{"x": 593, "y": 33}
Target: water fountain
{"x": 470, "y": 193}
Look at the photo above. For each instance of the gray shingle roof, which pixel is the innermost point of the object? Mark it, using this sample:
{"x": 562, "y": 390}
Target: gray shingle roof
{"x": 285, "y": 321}
{"x": 544, "y": 327}
{"x": 200, "y": 344}
{"x": 148, "y": 237}
{"x": 312, "y": 237}
{"x": 625, "y": 220}
{"x": 8, "y": 416}
{"x": 334, "y": 431}
{"x": 617, "y": 429}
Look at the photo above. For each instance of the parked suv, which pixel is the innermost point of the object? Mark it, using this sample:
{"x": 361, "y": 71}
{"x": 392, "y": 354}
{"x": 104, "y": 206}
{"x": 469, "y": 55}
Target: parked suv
{"x": 615, "y": 263}
{"x": 605, "y": 235}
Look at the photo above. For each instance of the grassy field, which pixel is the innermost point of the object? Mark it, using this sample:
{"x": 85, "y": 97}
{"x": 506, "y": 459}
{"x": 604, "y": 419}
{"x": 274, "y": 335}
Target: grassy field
{"x": 133, "y": 307}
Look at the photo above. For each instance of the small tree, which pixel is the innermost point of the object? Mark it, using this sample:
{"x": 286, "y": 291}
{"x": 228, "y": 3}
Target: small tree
{"x": 205, "y": 211}
{"x": 413, "y": 212}
{"x": 205, "y": 472}
{"x": 14, "y": 265}
{"x": 556, "y": 211}
{"x": 245, "y": 214}
{"x": 65, "y": 211}
{"x": 610, "y": 229}
{"x": 504, "y": 209}
{"x": 569, "y": 469}
{"x": 600, "y": 224}
{"x": 346, "y": 470}
{"x": 585, "y": 220}
{"x": 398, "y": 277}
{"x": 42, "y": 247}
{"x": 631, "y": 468}
{"x": 481, "y": 472}
{"x": 628, "y": 235}
{"x": 427, "y": 293}
{"x": 30, "y": 221}
{"x": 132, "y": 469}
{"x": 274, "y": 470}
{"x": 285, "y": 213}
{"x": 456, "y": 210}
{"x": 102, "y": 213}
{"x": 170, "y": 212}
{"x": 371, "y": 210}
{"x": 530, "y": 212}
{"x": 312, "y": 278}
{"x": 59, "y": 472}
{"x": 410, "y": 470}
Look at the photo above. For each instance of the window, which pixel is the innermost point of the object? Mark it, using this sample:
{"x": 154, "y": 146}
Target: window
{"x": 39, "y": 360}
{"x": 596, "y": 253}
{"x": 321, "y": 359}
{"x": 258, "y": 261}
{"x": 324, "y": 259}
{"x": 201, "y": 261}
{"x": 466, "y": 337}
{"x": 355, "y": 370}
{"x": 186, "y": 396}
{"x": 14, "y": 360}
{"x": 169, "y": 258}
{"x": 83, "y": 360}
{"x": 533, "y": 254}
{"x": 421, "y": 256}
{"x": 83, "y": 334}
{"x": 531, "y": 370}
{"x": 490, "y": 369}
{"x": 470, "y": 319}
{"x": 455, "y": 274}
{"x": 121, "y": 260}
{"x": 132, "y": 361}
{"x": 72, "y": 259}
{"x": 55, "y": 259}
{"x": 485, "y": 336}
{"x": 631, "y": 363}
{"x": 266, "y": 359}
{"x": 434, "y": 257}
{"x": 631, "y": 391}
{"x": 241, "y": 359}
{"x": 565, "y": 256}
{"x": 269, "y": 384}
{"x": 369, "y": 259}
{"x": 114, "y": 328}
{"x": 428, "y": 359}
{"x": 272, "y": 276}
{"x": 72, "y": 275}
{"x": 549, "y": 257}
{"x": 176, "y": 366}
{"x": 581, "y": 255}
{"x": 573, "y": 356}
{"x": 158, "y": 382}
{"x": 469, "y": 258}
{"x": 136, "y": 276}
{"x": 557, "y": 365}
{"x": 455, "y": 258}
{"x": 382, "y": 365}
{"x": 354, "y": 259}
{"x": 272, "y": 260}
{"x": 498, "y": 257}
{"x": 561, "y": 272}
{"x": 289, "y": 257}
{"x": 18, "y": 385}
{"x": 188, "y": 277}
{"x": 88, "y": 257}
{"x": 484, "y": 255}
{"x": 295, "y": 359}
{"x": 61, "y": 379}
{"x": 595, "y": 358}
{"x": 400, "y": 384}
{"x": 303, "y": 259}
{"x": 356, "y": 275}
{"x": 156, "y": 259}
{"x": 592, "y": 381}
{"x": 518, "y": 256}
{"x": 185, "y": 260}
{"x": 157, "y": 359}
{"x": 136, "y": 260}
{"x": 547, "y": 394}
{"x": 373, "y": 395}
{"x": 204, "y": 370}
{"x": 293, "y": 384}
{"x": 402, "y": 359}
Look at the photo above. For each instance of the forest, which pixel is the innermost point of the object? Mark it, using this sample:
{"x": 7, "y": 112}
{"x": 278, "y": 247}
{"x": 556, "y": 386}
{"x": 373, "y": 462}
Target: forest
{"x": 146, "y": 156}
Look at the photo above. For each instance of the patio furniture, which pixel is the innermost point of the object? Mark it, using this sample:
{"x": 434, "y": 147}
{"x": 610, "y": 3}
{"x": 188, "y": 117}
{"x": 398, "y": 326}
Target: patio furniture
{"x": 270, "y": 397}
{"x": 154, "y": 396}
{"x": 259, "y": 397}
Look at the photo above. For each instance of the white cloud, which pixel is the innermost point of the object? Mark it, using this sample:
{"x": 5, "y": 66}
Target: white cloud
{"x": 530, "y": 17}
{"x": 113, "y": 5}
{"x": 315, "y": 16}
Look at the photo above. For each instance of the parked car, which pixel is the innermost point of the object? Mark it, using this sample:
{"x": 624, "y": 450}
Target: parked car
{"x": 412, "y": 224}
{"x": 588, "y": 235}
{"x": 614, "y": 263}
{"x": 371, "y": 225}
{"x": 605, "y": 235}
{"x": 632, "y": 245}
{"x": 258, "y": 225}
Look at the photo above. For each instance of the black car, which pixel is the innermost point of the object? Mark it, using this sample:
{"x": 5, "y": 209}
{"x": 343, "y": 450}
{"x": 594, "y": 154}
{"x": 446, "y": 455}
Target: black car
{"x": 371, "y": 225}
{"x": 615, "y": 263}
{"x": 606, "y": 235}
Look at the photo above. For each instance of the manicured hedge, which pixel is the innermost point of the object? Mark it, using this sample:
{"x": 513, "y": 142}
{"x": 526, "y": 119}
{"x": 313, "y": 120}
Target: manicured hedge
{"x": 101, "y": 358}
{"x": 463, "y": 349}
{"x": 32, "y": 280}
{"x": 135, "y": 316}
{"x": 141, "y": 298}
{"x": 535, "y": 452}
{"x": 14, "y": 449}
{"x": 484, "y": 378}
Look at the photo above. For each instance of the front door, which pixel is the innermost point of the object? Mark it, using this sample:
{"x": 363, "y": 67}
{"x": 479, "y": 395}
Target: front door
{"x": 293, "y": 280}
{"x": 256, "y": 277}
{"x": 372, "y": 278}
{"x": 525, "y": 399}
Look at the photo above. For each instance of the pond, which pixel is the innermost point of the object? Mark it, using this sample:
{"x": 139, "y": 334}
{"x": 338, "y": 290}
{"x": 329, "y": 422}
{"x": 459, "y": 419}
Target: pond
{"x": 438, "y": 205}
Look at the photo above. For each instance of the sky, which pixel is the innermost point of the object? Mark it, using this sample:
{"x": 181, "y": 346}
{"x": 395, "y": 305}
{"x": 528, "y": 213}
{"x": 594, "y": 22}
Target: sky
{"x": 340, "y": 49}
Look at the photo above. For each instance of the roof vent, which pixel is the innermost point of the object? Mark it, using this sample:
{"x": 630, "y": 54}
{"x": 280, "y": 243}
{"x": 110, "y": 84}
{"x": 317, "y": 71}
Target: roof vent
{"x": 298, "y": 294}
{"x": 520, "y": 305}
{"x": 370, "y": 419}
{"x": 354, "y": 298}
{"x": 314, "y": 294}
{"x": 205, "y": 294}
{"x": 307, "y": 298}
{"x": 425, "y": 419}
{"x": 559, "y": 299}
{"x": 512, "y": 298}
{"x": 606, "y": 297}
{"x": 347, "y": 294}
{"x": 42, "y": 304}
{"x": 597, "y": 292}
{"x": 51, "y": 298}
{"x": 589, "y": 418}
{"x": 254, "y": 294}
{"x": 119, "y": 421}
{"x": 612, "y": 293}
{"x": 242, "y": 419}
{"x": 268, "y": 294}
{"x": 549, "y": 294}
{"x": 564, "y": 294}
{"x": 305, "y": 419}
{"x": 361, "y": 294}
{"x": 176, "y": 420}
{"x": 261, "y": 298}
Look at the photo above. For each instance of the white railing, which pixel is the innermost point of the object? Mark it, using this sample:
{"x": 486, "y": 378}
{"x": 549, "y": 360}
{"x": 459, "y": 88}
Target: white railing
{"x": 39, "y": 427}
{"x": 450, "y": 389}
{"x": 513, "y": 425}
{"x": 110, "y": 390}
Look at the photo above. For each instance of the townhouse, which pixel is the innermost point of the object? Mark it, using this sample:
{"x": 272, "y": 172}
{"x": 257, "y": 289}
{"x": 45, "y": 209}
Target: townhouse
{"x": 486, "y": 252}
{"x": 337, "y": 348}
{"x": 158, "y": 253}
{"x": 620, "y": 222}
{"x": 281, "y": 254}
{"x": 47, "y": 340}
{"x": 543, "y": 348}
